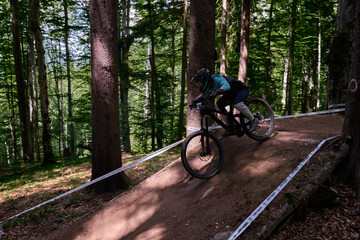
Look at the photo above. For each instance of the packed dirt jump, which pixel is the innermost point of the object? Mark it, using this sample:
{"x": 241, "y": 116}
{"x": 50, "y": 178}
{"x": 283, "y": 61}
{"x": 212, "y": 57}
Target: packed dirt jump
{"x": 172, "y": 205}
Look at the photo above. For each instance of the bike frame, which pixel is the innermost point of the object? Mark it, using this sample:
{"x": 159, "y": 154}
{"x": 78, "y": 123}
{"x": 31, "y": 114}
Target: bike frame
{"x": 205, "y": 113}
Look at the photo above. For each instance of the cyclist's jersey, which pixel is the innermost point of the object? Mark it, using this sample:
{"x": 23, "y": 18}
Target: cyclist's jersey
{"x": 225, "y": 83}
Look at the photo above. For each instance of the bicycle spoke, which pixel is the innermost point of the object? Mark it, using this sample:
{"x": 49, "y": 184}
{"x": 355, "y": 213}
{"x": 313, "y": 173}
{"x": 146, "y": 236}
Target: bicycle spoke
{"x": 202, "y": 155}
{"x": 263, "y": 113}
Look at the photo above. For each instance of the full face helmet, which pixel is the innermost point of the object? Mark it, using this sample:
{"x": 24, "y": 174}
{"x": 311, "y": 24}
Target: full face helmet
{"x": 202, "y": 79}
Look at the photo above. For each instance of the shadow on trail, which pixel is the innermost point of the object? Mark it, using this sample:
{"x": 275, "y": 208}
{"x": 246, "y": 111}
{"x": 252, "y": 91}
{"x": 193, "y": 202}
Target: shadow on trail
{"x": 171, "y": 205}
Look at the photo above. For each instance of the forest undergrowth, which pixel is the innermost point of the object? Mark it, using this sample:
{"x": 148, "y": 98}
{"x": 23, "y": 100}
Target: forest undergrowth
{"x": 25, "y": 186}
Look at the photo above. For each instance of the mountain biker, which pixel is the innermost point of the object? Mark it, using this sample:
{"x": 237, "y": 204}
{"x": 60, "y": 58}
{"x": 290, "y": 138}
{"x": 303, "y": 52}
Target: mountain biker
{"x": 234, "y": 92}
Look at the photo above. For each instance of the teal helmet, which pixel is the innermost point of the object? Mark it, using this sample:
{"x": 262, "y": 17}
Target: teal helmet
{"x": 202, "y": 79}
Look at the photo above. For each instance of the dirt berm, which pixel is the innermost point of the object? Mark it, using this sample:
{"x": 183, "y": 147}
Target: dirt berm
{"x": 171, "y": 205}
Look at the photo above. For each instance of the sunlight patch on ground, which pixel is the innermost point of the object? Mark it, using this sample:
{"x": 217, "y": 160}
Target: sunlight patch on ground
{"x": 259, "y": 169}
{"x": 156, "y": 232}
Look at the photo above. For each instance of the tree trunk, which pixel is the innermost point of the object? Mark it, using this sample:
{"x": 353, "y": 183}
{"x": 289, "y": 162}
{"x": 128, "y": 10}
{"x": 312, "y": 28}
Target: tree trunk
{"x": 28, "y": 154}
{"x": 319, "y": 66}
{"x": 267, "y": 75}
{"x": 201, "y": 49}
{"x": 44, "y": 100}
{"x": 223, "y": 31}
{"x": 304, "y": 85}
{"x": 244, "y": 39}
{"x": 146, "y": 105}
{"x": 183, "y": 72}
{"x": 12, "y": 125}
{"x": 339, "y": 57}
{"x": 68, "y": 76}
{"x": 124, "y": 76}
{"x": 106, "y": 154}
{"x": 156, "y": 118}
{"x": 351, "y": 127}
{"x": 284, "y": 87}
{"x": 152, "y": 90}
{"x": 63, "y": 126}
{"x": 172, "y": 81}
{"x": 58, "y": 96}
{"x": 34, "y": 98}
{"x": 290, "y": 81}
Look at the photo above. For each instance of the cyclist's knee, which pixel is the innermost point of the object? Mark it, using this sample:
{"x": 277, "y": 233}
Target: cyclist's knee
{"x": 240, "y": 105}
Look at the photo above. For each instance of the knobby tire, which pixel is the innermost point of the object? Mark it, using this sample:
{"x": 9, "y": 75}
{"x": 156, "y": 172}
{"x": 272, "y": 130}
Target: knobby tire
{"x": 263, "y": 112}
{"x": 201, "y": 162}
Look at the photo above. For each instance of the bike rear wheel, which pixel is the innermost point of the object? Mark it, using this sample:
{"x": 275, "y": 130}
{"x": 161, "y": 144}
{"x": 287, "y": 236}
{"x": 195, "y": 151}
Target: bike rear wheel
{"x": 202, "y": 155}
{"x": 264, "y": 114}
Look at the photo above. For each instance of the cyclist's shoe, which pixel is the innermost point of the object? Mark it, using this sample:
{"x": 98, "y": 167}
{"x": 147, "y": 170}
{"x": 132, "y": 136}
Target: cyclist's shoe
{"x": 253, "y": 125}
{"x": 228, "y": 133}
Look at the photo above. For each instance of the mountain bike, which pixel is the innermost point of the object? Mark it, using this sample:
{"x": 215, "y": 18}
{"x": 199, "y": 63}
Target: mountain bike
{"x": 202, "y": 153}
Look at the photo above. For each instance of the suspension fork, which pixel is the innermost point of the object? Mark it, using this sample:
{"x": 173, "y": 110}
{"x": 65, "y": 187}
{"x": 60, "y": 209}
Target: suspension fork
{"x": 205, "y": 149}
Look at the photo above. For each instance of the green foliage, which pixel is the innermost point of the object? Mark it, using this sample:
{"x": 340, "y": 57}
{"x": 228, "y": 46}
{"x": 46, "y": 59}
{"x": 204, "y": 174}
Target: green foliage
{"x": 166, "y": 21}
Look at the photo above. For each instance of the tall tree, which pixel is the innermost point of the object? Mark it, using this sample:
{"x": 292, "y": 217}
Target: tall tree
{"x": 201, "y": 48}
{"x": 223, "y": 31}
{"x": 284, "y": 85}
{"x": 68, "y": 76}
{"x": 106, "y": 154}
{"x": 290, "y": 81}
{"x": 339, "y": 57}
{"x": 319, "y": 65}
{"x": 351, "y": 127}
{"x": 12, "y": 125}
{"x": 154, "y": 82}
{"x": 28, "y": 154}
{"x": 267, "y": 75}
{"x": 124, "y": 75}
{"x": 44, "y": 100}
{"x": 183, "y": 71}
{"x": 34, "y": 113}
{"x": 244, "y": 40}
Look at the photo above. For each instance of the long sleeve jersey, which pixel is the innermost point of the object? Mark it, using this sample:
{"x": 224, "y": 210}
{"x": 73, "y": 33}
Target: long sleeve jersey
{"x": 219, "y": 83}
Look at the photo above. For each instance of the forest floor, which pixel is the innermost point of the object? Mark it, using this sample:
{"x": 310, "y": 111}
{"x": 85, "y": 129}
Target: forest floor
{"x": 172, "y": 205}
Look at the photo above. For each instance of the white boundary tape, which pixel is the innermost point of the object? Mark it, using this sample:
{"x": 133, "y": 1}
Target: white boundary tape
{"x": 116, "y": 171}
{"x": 312, "y": 113}
{"x": 271, "y": 197}
{"x": 212, "y": 127}
{"x": 215, "y": 126}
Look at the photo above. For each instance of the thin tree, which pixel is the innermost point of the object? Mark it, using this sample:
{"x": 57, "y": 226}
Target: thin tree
{"x": 58, "y": 94}
{"x": 319, "y": 64}
{"x": 68, "y": 76}
{"x": 201, "y": 48}
{"x": 223, "y": 31}
{"x": 28, "y": 154}
{"x": 267, "y": 69}
{"x": 124, "y": 75}
{"x": 106, "y": 153}
{"x": 34, "y": 97}
{"x": 290, "y": 81}
{"x": 12, "y": 125}
{"x": 183, "y": 71}
{"x": 44, "y": 100}
{"x": 305, "y": 83}
{"x": 284, "y": 85}
{"x": 173, "y": 78}
{"x": 156, "y": 119}
{"x": 244, "y": 40}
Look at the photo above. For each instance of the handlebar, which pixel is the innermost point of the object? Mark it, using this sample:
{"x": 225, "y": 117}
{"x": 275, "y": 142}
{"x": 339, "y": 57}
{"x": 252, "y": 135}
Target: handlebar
{"x": 201, "y": 105}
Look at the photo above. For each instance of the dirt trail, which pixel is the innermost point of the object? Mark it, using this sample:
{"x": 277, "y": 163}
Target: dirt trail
{"x": 171, "y": 205}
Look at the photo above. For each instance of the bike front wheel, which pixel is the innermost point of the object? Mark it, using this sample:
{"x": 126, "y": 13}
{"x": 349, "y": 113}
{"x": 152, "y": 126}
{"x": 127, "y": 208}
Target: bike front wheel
{"x": 265, "y": 116}
{"x": 202, "y": 155}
